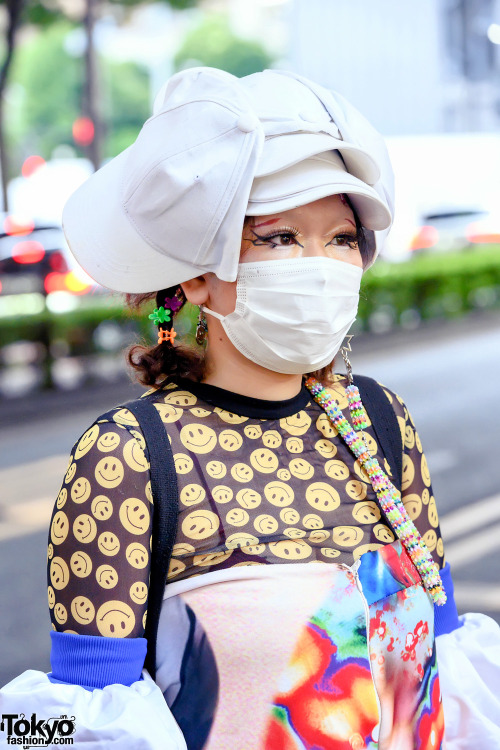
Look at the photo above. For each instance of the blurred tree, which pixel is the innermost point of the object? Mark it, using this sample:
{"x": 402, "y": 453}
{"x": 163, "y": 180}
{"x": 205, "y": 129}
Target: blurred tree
{"x": 42, "y": 13}
{"x": 213, "y": 43}
{"x": 38, "y": 123}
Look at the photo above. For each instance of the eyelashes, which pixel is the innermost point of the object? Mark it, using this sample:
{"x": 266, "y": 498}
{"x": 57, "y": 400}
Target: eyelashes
{"x": 346, "y": 238}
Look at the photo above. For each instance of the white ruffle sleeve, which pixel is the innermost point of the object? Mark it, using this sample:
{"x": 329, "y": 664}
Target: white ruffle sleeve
{"x": 469, "y": 674}
{"x": 115, "y": 716}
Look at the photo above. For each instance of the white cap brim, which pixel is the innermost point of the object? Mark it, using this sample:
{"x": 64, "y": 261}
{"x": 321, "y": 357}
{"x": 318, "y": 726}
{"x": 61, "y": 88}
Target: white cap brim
{"x": 104, "y": 242}
{"x": 283, "y": 151}
{"x": 312, "y": 179}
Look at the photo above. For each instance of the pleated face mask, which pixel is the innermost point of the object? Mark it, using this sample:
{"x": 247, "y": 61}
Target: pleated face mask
{"x": 292, "y": 315}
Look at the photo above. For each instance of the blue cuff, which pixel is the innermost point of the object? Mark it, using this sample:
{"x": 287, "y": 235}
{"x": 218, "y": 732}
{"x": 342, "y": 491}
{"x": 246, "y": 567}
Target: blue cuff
{"x": 93, "y": 661}
{"x": 446, "y": 616}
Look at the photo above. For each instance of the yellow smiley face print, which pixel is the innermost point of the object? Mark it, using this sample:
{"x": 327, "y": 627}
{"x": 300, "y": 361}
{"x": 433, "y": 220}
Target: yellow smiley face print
{"x": 106, "y": 576}
{"x": 383, "y": 533}
{"x": 70, "y": 473}
{"x": 83, "y": 610}
{"x": 59, "y": 527}
{"x": 168, "y": 412}
{"x": 248, "y": 498}
{"x": 301, "y": 469}
{"x": 297, "y": 424}
{"x": 252, "y": 431}
{"x": 198, "y": 412}
{"x": 330, "y": 552}
{"x": 230, "y": 440}
{"x": 108, "y": 543}
{"x": 175, "y": 567}
{"x": 183, "y": 463}
{"x": 138, "y": 592}
{"x": 264, "y": 460}
{"x": 295, "y": 445}
{"x": 216, "y": 469}
{"x": 198, "y": 438}
{"x": 60, "y": 613}
{"x": 325, "y": 426}
{"x": 312, "y": 521}
{"x": 366, "y": 512}
{"x": 242, "y": 472}
{"x": 109, "y": 472}
{"x": 229, "y": 417}
{"x": 408, "y": 472}
{"x": 51, "y": 596}
{"x": 115, "y": 619}
{"x": 137, "y": 555}
{"x": 272, "y": 439}
{"x": 290, "y": 516}
{"x": 265, "y": 524}
{"x": 356, "y": 490}
{"x": 432, "y": 512}
{"x": 237, "y": 517}
{"x": 413, "y": 505}
{"x": 241, "y": 539}
{"x": 222, "y": 494}
{"x": 192, "y": 494}
{"x": 335, "y": 469}
{"x": 347, "y": 536}
{"x": 180, "y": 398}
{"x": 84, "y": 528}
{"x": 86, "y": 441}
{"x": 50, "y": 551}
{"x": 59, "y": 573}
{"x": 80, "y": 490}
{"x": 108, "y": 442}
{"x": 211, "y": 558}
{"x": 278, "y": 493}
{"x": 291, "y": 549}
{"x": 124, "y": 416}
{"x": 200, "y": 524}
{"x": 430, "y": 540}
{"x": 295, "y": 533}
{"x": 318, "y": 536}
{"x": 322, "y": 496}
{"x": 80, "y": 564}
{"x": 425, "y": 471}
{"x": 61, "y": 498}
{"x": 135, "y": 456}
{"x": 365, "y": 548}
{"x": 326, "y": 448}
{"x": 101, "y": 507}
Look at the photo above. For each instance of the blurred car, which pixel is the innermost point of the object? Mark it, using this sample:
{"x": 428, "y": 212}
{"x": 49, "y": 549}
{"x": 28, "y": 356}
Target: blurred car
{"x": 34, "y": 257}
{"x": 456, "y": 227}
{"x": 447, "y": 192}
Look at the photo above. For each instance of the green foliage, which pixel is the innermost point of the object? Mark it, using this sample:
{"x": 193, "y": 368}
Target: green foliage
{"x": 432, "y": 285}
{"x": 213, "y": 43}
{"x": 50, "y": 83}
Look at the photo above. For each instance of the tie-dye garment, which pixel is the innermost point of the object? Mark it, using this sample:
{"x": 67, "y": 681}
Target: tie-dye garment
{"x": 354, "y": 666}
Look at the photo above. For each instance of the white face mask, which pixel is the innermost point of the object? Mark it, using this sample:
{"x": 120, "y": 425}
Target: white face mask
{"x": 292, "y": 315}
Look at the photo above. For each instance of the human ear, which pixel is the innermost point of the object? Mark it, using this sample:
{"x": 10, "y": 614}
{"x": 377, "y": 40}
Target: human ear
{"x": 196, "y": 290}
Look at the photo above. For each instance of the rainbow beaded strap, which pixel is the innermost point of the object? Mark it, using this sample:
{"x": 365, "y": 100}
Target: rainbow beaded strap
{"x": 388, "y": 496}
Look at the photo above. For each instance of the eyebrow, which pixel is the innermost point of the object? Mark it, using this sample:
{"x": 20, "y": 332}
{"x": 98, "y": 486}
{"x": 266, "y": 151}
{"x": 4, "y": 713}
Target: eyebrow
{"x": 345, "y": 219}
{"x": 267, "y": 223}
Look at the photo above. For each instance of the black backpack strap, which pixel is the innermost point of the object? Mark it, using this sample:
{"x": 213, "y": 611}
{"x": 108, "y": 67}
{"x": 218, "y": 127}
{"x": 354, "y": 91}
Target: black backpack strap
{"x": 165, "y": 509}
{"x": 385, "y": 424}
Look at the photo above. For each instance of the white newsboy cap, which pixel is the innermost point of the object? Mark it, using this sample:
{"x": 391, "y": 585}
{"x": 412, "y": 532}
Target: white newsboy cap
{"x": 172, "y": 205}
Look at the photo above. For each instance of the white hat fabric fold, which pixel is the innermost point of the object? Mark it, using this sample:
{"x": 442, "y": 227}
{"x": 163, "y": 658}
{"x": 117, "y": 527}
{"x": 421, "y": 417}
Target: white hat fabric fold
{"x": 172, "y": 205}
{"x": 313, "y": 178}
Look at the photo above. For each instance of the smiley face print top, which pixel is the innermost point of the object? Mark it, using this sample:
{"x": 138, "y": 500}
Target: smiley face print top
{"x": 260, "y": 483}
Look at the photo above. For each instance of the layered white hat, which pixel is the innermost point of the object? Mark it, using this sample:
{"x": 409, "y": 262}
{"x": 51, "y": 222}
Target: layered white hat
{"x": 172, "y": 205}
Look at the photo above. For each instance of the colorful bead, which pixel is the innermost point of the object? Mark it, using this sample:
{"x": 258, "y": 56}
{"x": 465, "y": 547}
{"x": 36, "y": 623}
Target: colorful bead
{"x": 388, "y": 496}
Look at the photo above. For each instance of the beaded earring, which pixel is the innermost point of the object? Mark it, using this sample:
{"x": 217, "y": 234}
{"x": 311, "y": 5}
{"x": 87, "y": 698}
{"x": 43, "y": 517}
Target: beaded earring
{"x": 356, "y": 408}
{"x": 201, "y": 328}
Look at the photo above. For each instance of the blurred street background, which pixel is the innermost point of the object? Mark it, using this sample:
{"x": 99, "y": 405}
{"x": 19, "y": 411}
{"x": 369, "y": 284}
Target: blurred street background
{"x": 77, "y": 81}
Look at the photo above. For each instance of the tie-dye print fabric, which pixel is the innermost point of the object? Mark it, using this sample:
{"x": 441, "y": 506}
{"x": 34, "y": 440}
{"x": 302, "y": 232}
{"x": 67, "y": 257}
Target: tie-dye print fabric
{"x": 346, "y": 660}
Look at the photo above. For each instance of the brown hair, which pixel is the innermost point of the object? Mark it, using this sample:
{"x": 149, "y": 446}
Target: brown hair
{"x": 159, "y": 364}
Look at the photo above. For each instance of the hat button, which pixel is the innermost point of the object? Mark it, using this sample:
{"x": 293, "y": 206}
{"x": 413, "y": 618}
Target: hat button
{"x": 247, "y": 122}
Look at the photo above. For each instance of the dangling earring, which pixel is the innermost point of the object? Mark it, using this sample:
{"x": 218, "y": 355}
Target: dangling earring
{"x": 201, "y": 328}
{"x": 358, "y": 414}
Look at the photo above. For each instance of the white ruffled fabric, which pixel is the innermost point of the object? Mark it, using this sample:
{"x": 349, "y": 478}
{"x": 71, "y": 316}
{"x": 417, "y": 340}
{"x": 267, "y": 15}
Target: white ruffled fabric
{"x": 469, "y": 675}
{"x": 117, "y": 716}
